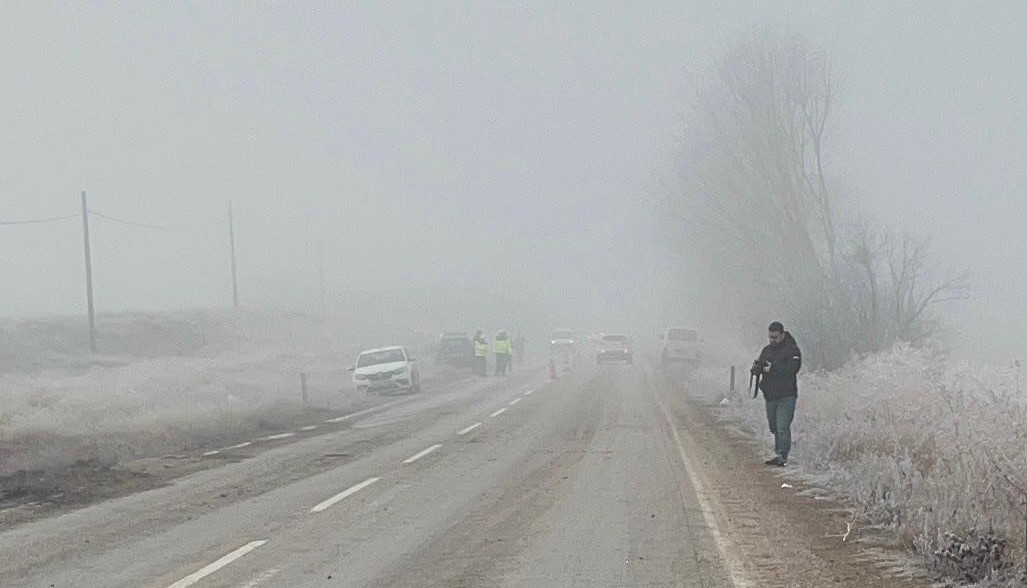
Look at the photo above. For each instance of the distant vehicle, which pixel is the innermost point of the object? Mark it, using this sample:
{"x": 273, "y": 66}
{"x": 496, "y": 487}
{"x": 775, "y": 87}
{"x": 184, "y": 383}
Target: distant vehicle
{"x": 614, "y": 348}
{"x": 561, "y": 342}
{"x": 679, "y": 345}
{"x": 455, "y": 349}
{"x": 386, "y": 369}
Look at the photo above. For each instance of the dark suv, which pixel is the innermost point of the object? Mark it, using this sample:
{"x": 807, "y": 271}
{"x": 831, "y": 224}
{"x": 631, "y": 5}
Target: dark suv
{"x": 455, "y": 349}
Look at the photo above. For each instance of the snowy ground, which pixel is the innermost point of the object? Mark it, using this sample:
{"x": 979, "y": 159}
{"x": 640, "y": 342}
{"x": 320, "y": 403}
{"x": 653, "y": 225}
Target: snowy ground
{"x": 161, "y": 382}
{"x": 930, "y": 449}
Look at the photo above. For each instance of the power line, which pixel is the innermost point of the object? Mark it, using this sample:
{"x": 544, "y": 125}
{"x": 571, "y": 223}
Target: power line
{"x": 128, "y": 222}
{"x": 39, "y": 221}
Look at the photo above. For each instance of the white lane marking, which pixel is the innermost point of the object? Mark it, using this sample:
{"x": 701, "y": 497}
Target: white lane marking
{"x": 217, "y": 565}
{"x": 308, "y": 428}
{"x": 733, "y": 564}
{"x": 240, "y": 445}
{"x": 498, "y": 412}
{"x": 463, "y": 432}
{"x": 344, "y": 494}
{"x": 514, "y": 401}
{"x": 529, "y": 392}
{"x": 260, "y": 578}
{"x": 210, "y": 453}
{"x": 279, "y": 436}
{"x": 367, "y": 410}
{"x": 418, "y": 456}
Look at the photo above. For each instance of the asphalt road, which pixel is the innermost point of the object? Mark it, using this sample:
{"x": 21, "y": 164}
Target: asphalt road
{"x": 499, "y": 482}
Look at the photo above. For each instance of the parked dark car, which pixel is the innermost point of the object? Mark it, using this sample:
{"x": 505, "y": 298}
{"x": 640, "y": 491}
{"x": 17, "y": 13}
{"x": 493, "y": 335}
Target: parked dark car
{"x": 455, "y": 349}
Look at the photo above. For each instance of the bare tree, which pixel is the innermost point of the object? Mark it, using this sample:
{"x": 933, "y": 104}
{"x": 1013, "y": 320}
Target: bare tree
{"x": 751, "y": 200}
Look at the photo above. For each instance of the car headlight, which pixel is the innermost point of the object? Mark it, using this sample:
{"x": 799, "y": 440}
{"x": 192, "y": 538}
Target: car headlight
{"x": 359, "y": 377}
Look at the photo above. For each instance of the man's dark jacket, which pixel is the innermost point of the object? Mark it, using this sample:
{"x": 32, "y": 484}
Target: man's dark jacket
{"x": 785, "y": 361}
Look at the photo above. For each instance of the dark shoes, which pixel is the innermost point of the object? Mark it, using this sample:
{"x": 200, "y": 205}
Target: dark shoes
{"x": 776, "y": 461}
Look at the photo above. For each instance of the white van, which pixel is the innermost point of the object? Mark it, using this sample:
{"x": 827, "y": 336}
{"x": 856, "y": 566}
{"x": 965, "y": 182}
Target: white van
{"x": 680, "y": 345}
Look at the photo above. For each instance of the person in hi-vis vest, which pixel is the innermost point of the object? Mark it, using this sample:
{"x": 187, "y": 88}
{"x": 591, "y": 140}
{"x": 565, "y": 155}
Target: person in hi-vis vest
{"x": 481, "y": 353}
{"x": 503, "y": 350}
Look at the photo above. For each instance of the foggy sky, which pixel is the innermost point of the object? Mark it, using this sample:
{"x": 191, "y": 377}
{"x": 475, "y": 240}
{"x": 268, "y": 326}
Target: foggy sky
{"x": 457, "y": 147}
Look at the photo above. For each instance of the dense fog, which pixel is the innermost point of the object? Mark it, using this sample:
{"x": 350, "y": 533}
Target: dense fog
{"x": 474, "y": 164}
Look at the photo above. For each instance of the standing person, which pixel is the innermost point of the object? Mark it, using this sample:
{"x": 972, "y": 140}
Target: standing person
{"x": 503, "y": 350}
{"x": 777, "y": 365}
{"x": 481, "y": 353}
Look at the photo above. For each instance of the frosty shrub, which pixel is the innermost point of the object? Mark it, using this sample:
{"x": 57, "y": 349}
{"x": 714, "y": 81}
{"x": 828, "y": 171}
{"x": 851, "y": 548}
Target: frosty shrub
{"x": 932, "y": 449}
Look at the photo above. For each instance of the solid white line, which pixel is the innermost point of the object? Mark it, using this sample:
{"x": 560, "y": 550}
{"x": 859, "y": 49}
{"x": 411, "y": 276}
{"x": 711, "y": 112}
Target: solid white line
{"x": 514, "y": 401}
{"x": 367, "y": 410}
{"x": 735, "y": 569}
{"x": 308, "y": 428}
{"x": 210, "y": 453}
{"x": 344, "y": 494}
{"x": 280, "y": 436}
{"x": 498, "y": 412}
{"x": 468, "y": 429}
{"x": 217, "y": 565}
{"x": 414, "y": 458}
{"x": 240, "y": 445}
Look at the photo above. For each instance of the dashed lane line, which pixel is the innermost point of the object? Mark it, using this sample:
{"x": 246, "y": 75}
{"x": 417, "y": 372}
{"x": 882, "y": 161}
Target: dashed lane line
{"x": 369, "y": 410}
{"x": 498, "y": 412}
{"x": 261, "y": 578}
{"x": 418, "y": 456}
{"x": 514, "y": 401}
{"x": 279, "y": 436}
{"x": 217, "y": 565}
{"x": 343, "y": 495}
{"x": 308, "y": 428}
{"x": 467, "y": 430}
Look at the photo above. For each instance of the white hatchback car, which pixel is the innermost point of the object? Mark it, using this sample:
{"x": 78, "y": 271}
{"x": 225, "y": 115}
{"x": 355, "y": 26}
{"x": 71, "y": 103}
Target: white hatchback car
{"x": 386, "y": 369}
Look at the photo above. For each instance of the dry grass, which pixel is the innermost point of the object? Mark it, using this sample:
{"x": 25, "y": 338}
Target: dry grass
{"x": 167, "y": 382}
{"x": 921, "y": 445}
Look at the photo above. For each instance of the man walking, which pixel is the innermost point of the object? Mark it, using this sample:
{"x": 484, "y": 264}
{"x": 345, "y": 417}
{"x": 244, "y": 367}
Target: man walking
{"x": 777, "y": 365}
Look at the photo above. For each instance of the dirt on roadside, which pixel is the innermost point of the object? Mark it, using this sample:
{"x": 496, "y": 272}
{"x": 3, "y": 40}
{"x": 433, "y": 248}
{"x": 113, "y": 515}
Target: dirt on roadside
{"x": 29, "y": 494}
{"x": 785, "y": 532}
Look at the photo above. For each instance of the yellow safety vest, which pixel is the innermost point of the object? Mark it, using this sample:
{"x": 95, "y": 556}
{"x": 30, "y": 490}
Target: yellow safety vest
{"x": 503, "y": 346}
{"x": 480, "y": 349}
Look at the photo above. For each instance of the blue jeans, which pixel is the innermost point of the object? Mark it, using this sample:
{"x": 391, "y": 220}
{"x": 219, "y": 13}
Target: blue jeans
{"x": 780, "y": 413}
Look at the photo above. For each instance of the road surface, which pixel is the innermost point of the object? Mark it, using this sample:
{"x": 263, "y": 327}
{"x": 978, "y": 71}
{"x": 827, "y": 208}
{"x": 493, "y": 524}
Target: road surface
{"x": 596, "y": 479}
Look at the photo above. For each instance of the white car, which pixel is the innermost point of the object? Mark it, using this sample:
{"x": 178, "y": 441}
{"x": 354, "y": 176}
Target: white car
{"x": 561, "y": 342}
{"x": 681, "y": 346}
{"x": 386, "y": 369}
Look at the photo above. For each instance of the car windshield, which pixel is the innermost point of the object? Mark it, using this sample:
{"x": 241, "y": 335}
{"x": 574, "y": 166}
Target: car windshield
{"x": 453, "y": 343}
{"x": 682, "y": 335}
{"x": 614, "y": 338}
{"x": 563, "y": 334}
{"x": 378, "y": 357}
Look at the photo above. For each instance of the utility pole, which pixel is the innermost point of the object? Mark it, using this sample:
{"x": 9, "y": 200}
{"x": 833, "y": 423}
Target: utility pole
{"x": 321, "y": 273}
{"x": 231, "y": 237}
{"x": 89, "y": 274}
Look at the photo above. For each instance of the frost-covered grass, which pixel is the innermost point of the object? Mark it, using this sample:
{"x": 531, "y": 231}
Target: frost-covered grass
{"x": 161, "y": 383}
{"x": 921, "y": 445}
